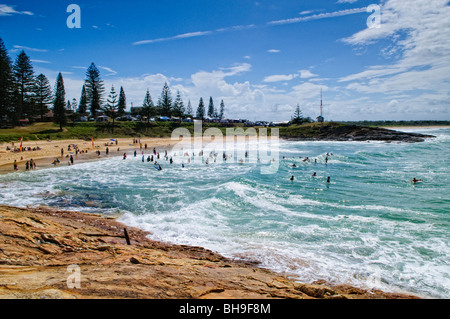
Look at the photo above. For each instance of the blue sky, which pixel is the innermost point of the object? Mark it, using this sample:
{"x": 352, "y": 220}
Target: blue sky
{"x": 261, "y": 57}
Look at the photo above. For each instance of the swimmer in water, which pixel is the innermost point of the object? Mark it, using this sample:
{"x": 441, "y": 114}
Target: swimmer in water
{"x": 314, "y": 174}
{"x": 292, "y": 178}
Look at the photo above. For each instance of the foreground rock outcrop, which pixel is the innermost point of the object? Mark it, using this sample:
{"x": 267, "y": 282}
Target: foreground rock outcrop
{"x": 46, "y": 253}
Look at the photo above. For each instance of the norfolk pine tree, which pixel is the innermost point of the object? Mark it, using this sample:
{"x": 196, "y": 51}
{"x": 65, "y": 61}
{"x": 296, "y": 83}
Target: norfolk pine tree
{"x": 6, "y": 84}
{"x": 24, "y": 81}
{"x": 82, "y": 107}
{"x": 59, "y": 103}
{"x": 222, "y": 109}
{"x": 165, "y": 101}
{"x": 122, "y": 102}
{"x": 43, "y": 94}
{"x": 178, "y": 109}
{"x": 111, "y": 108}
{"x": 297, "y": 118}
{"x": 94, "y": 89}
{"x": 148, "y": 108}
{"x": 189, "y": 111}
{"x": 211, "y": 110}
{"x": 201, "y": 110}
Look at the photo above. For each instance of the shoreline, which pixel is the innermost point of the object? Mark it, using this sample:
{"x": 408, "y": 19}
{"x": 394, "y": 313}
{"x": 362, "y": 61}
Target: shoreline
{"x": 51, "y": 150}
{"x": 39, "y": 244}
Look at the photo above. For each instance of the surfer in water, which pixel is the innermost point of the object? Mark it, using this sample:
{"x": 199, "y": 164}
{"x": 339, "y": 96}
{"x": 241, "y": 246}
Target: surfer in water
{"x": 414, "y": 180}
{"x": 292, "y": 178}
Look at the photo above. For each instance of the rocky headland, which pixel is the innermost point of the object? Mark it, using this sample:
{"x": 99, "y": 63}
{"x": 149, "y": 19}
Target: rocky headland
{"x": 344, "y": 132}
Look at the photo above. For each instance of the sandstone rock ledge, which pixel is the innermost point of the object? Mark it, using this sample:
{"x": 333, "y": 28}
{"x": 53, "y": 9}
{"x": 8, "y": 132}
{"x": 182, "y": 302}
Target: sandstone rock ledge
{"x": 37, "y": 246}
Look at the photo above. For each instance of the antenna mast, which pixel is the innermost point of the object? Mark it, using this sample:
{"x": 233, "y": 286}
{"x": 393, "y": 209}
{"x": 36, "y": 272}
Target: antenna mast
{"x": 320, "y": 101}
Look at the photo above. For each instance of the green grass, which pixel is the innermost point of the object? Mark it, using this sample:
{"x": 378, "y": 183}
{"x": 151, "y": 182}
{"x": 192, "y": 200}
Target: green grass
{"x": 50, "y": 131}
{"x": 309, "y": 130}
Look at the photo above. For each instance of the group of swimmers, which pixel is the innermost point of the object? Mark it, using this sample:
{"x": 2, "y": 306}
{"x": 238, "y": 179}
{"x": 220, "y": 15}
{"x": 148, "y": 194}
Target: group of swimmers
{"x": 306, "y": 159}
{"x": 156, "y": 155}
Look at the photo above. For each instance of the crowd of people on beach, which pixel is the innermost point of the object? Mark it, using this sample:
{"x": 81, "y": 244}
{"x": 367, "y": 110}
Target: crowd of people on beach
{"x": 17, "y": 149}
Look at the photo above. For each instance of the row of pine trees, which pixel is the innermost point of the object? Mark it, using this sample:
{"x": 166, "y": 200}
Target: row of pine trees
{"x": 26, "y": 96}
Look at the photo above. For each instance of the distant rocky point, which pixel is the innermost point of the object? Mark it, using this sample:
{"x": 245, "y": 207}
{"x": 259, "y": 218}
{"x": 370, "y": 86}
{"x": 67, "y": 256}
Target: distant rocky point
{"x": 345, "y": 132}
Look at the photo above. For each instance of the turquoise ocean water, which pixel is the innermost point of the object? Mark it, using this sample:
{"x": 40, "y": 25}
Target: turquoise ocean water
{"x": 370, "y": 227}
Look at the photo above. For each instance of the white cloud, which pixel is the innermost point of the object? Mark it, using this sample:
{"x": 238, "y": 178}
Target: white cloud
{"x": 347, "y": 1}
{"x": 197, "y": 34}
{"x": 279, "y": 78}
{"x": 236, "y": 28}
{"x": 20, "y": 47}
{"x": 176, "y": 37}
{"x": 273, "y": 51}
{"x": 318, "y": 16}
{"x": 306, "y": 74}
{"x": 419, "y": 32}
{"x": 6, "y": 10}
{"x": 39, "y": 61}
{"x": 111, "y": 71}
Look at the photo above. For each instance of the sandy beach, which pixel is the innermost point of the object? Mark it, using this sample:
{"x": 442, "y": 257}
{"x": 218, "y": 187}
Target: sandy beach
{"x": 51, "y": 150}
